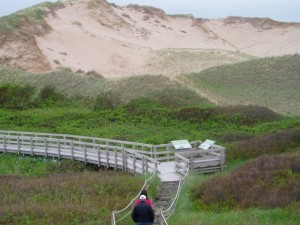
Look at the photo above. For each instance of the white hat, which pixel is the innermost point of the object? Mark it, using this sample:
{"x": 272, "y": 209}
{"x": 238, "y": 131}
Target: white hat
{"x": 143, "y": 197}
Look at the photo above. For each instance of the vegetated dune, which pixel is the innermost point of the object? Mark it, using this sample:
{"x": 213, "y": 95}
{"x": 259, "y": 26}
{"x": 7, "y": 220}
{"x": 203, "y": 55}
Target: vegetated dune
{"x": 133, "y": 40}
{"x": 272, "y": 82}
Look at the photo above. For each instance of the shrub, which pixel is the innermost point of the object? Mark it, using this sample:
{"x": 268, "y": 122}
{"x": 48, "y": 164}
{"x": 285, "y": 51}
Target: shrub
{"x": 272, "y": 143}
{"x": 16, "y": 97}
{"x": 107, "y": 100}
{"x": 235, "y": 136}
{"x": 238, "y": 114}
{"x": 94, "y": 74}
{"x": 48, "y": 96}
{"x": 248, "y": 115}
{"x": 269, "y": 181}
{"x": 193, "y": 114}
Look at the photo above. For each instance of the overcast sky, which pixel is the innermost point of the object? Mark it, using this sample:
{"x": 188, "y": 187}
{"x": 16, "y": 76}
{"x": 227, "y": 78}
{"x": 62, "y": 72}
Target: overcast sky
{"x": 281, "y": 10}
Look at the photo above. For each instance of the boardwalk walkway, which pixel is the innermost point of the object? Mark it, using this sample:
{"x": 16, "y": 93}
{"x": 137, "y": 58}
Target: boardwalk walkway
{"x": 136, "y": 158}
{"x": 165, "y": 196}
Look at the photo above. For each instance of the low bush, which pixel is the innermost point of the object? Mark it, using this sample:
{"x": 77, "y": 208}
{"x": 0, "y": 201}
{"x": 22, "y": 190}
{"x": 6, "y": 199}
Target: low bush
{"x": 271, "y": 143}
{"x": 16, "y": 97}
{"x": 48, "y": 96}
{"x": 238, "y": 114}
{"x": 107, "y": 100}
{"x": 268, "y": 182}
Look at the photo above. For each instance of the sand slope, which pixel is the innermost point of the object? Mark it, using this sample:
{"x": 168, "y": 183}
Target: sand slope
{"x": 123, "y": 41}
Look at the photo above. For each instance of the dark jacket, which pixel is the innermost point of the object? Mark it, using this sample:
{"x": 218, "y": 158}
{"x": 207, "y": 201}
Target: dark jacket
{"x": 142, "y": 213}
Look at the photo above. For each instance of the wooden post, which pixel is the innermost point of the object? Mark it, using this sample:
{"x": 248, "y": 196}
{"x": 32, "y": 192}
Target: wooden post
{"x": 46, "y": 147}
{"x": 58, "y": 149}
{"x": 72, "y": 150}
{"x": 84, "y": 149}
{"x": 168, "y": 154}
{"x": 116, "y": 158}
{"x": 125, "y": 157}
{"x": 18, "y": 143}
{"x": 134, "y": 161}
{"x": 4, "y": 144}
{"x": 94, "y": 142}
{"x": 107, "y": 157}
{"x": 31, "y": 146}
{"x": 154, "y": 149}
{"x": 222, "y": 159}
{"x": 143, "y": 165}
{"x": 192, "y": 163}
{"x": 98, "y": 152}
{"x": 176, "y": 163}
{"x": 146, "y": 164}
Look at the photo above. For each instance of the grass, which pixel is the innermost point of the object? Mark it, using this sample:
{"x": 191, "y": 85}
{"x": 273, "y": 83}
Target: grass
{"x": 86, "y": 88}
{"x": 272, "y": 82}
{"x": 147, "y": 109}
{"x": 173, "y": 61}
{"x": 23, "y": 21}
{"x": 188, "y": 214}
{"x": 154, "y": 124}
{"x": 36, "y": 190}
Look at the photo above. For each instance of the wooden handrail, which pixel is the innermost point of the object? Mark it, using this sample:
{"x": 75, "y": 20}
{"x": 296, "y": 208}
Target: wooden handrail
{"x": 101, "y": 155}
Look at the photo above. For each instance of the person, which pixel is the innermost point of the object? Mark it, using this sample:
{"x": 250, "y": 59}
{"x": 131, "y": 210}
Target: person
{"x": 148, "y": 201}
{"x": 143, "y": 214}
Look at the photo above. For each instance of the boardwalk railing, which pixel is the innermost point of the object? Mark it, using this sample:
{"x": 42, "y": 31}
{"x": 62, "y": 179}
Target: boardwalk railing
{"x": 102, "y": 155}
{"x": 161, "y": 152}
{"x": 203, "y": 161}
{"x": 124, "y": 213}
{"x": 169, "y": 211}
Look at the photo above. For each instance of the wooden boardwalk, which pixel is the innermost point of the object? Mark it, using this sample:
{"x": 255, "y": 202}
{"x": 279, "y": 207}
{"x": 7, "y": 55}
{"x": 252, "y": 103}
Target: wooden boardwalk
{"x": 136, "y": 158}
{"x": 102, "y": 155}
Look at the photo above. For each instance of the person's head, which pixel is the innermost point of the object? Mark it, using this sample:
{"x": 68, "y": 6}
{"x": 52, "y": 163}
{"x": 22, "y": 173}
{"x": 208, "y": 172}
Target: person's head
{"x": 144, "y": 192}
{"x": 143, "y": 198}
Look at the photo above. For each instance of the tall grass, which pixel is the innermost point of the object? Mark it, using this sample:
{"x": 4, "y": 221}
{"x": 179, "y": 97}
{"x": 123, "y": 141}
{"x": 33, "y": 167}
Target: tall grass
{"x": 267, "y": 182}
{"x": 188, "y": 211}
{"x": 272, "y": 82}
{"x": 82, "y": 198}
{"x": 88, "y": 88}
{"x": 24, "y": 21}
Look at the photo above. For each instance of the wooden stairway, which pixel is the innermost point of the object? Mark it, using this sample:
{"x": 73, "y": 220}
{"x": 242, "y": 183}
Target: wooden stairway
{"x": 164, "y": 198}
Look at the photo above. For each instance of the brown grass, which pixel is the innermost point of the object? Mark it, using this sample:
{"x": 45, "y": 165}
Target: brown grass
{"x": 82, "y": 198}
{"x": 272, "y": 143}
{"x": 268, "y": 182}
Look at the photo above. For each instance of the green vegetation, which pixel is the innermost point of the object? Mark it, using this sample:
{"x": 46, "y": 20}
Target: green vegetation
{"x": 191, "y": 210}
{"x": 68, "y": 198}
{"x": 262, "y": 146}
{"x": 267, "y": 182}
{"x": 272, "y": 82}
{"x": 84, "y": 89}
{"x": 25, "y": 20}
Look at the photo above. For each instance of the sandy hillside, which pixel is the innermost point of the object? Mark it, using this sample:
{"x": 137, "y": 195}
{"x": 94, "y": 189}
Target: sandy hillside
{"x": 123, "y": 41}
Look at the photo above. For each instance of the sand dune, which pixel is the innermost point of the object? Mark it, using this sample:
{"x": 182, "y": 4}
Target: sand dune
{"x": 123, "y": 41}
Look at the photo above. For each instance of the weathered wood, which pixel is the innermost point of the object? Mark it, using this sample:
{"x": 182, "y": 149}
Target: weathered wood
{"x": 98, "y": 156}
{"x": 202, "y": 160}
{"x": 86, "y": 152}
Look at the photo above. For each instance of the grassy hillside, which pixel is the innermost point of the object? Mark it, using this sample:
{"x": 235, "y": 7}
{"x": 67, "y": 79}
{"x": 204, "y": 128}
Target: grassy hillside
{"x": 271, "y": 82}
{"x": 28, "y": 20}
{"x": 91, "y": 85}
{"x": 148, "y": 109}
